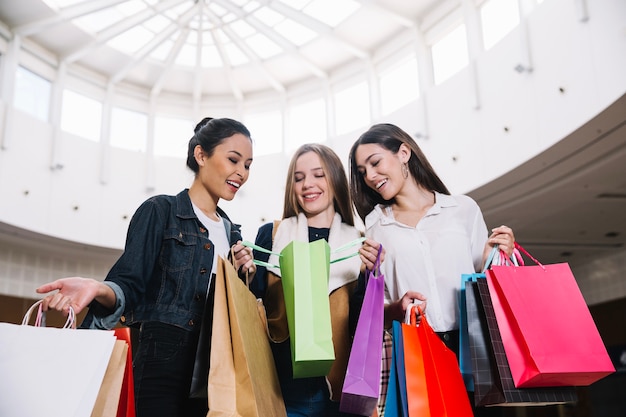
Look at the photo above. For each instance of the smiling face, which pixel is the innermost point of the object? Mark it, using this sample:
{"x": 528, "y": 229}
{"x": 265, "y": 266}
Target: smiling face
{"x": 382, "y": 169}
{"x": 313, "y": 193}
{"x": 227, "y": 169}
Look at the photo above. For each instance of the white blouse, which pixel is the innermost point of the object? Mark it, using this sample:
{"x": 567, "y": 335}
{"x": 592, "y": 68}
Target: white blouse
{"x": 430, "y": 257}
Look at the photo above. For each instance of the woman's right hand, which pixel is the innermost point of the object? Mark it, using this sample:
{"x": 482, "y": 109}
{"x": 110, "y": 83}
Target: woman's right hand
{"x": 76, "y": 292}
{"x": 368, "y": 252}
{"x": 397, "y": 309}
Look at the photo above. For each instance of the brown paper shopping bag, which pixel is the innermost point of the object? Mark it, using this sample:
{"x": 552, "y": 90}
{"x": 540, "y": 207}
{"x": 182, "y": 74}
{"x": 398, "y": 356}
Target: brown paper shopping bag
{"x": 109, "y": 395}
{"x": 242, "y": 377}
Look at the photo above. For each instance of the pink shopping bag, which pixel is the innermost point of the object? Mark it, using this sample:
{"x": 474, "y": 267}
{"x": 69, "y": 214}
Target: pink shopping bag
{"x": 549, "y": 336}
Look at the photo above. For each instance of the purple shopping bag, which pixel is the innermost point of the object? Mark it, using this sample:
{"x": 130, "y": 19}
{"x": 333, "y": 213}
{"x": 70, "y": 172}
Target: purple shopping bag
{"x": 361, "y": 386}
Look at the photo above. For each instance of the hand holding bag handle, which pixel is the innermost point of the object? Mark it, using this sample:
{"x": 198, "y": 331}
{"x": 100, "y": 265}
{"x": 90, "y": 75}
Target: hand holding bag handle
{"x": 40, "y": 319}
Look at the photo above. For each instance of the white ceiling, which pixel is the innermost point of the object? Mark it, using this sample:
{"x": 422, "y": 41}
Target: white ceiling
{"x": 226, "y": 49}
{"x": 566, "y": 205}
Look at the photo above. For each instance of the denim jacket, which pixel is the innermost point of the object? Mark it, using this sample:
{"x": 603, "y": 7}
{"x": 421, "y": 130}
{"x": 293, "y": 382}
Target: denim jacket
{"x": 164, "y": 272}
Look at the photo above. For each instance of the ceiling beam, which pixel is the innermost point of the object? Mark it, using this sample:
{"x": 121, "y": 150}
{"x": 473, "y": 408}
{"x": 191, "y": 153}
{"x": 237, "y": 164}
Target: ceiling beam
{"x": 121, "y": 27}
{"x": 274, "y": 36}
{"x": 64, "y": 15}
{"x": 315, "y": 25}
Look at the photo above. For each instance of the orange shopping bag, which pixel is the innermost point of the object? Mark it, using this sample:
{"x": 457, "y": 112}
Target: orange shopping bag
{"x": 434, "y": 384}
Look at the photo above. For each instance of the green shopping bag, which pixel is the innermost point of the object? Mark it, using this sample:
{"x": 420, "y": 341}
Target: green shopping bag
{"x": 305, "y": 270}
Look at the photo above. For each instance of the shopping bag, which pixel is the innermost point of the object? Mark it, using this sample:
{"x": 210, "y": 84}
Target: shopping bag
{"x": 434, "y": 383}
{"x": 304, "y": 270}
{"x": 549, "y": 335}
{"x": 396, "y": 400}
{"x": 385, "y": 371}
{"x": 242, "y": 377}
{"x": 48, "y": 371}
{"x": 108, "y": 398}
{"x": 465, "y": 360}
{"x": 361, "y": 387}
{"x": 126, "y": 406}
{"x": 493, "y": 383}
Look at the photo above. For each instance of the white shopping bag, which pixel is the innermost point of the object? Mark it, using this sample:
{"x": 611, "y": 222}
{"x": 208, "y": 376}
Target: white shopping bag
{"x": 49, "y": 371}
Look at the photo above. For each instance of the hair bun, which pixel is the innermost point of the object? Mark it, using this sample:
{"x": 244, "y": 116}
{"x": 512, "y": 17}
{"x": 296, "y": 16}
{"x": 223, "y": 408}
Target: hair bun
{"x": 201, "y": 124}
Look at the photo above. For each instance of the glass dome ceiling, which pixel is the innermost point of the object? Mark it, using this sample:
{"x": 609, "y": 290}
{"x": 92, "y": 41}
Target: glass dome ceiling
{"x": 223, "y": 49}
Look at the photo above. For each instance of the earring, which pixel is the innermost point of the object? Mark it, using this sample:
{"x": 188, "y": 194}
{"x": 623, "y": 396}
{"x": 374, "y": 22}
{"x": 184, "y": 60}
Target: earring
{"x": 405, "y": 170}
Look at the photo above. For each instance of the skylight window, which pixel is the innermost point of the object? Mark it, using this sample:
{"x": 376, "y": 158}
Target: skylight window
{"x": 211, "y": 57}
{"x": 161, "y": 52}
{"x": 263, "y": 46}
{"x": 268, "y": 16}
{"x": 242, "y": 28}
{"x": 132, "y": 40}
{"x": 95, "y": 22}
{"x": 129, "y": 8}
{"x": 295, "y": 32}
{"x": 157, "y": 24}
{"x": 235, "y": 55}
{"x": 218, "y": 10}
{"x": 187, "y": 54}
{"x": 341, "y": 9}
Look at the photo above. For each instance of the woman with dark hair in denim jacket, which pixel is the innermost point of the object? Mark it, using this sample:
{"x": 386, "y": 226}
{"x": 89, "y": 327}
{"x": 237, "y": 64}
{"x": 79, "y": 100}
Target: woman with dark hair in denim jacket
{"x": 161, "y": 284}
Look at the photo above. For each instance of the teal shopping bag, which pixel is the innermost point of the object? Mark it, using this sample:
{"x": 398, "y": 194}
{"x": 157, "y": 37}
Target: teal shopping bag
{"x": 465, "y": 358}
{"x": 396, "y": 403}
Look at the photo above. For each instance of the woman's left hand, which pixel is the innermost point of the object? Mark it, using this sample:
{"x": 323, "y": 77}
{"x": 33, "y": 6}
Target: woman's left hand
{"x": 243, "y": 260}
{"x": 503, "y": 237}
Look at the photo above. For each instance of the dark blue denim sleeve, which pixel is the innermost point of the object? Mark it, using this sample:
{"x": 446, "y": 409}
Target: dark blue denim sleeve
{"x": 134, "y": 268}
{"x": 264, "y": 240}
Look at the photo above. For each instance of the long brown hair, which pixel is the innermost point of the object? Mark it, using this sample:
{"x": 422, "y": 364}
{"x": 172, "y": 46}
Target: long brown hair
{"x": 390, "y": 137}
{"x": 335, "y": 176}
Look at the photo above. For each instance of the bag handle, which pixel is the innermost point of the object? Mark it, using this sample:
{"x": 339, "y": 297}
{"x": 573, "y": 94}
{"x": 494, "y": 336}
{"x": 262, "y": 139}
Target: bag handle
{"x": 40, "y": 319}
{"x": 232, "y": 257}
{"x": 519, "y": 247}
{"x": 412, "y": 311}
{"x": 339, "y": 249}
{"x": 355, "y": 242}
{"x": 376, "y": 269}
{"x": 504, "y": 260}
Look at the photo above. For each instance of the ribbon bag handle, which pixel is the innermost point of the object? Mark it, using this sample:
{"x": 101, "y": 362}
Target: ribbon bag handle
{"x": 520, "y": 248}
{"x": 342, "y": 248}
{"x": 260, "y": 249}
{"x": 40, "y": 319}
{"x": 502, "y": 259}
{"x": 348, "y": 245}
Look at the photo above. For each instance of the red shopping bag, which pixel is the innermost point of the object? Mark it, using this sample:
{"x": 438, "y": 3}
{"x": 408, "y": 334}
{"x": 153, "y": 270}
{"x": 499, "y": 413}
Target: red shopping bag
{"x": 432, "y": 367}
{"x": 549, "y": 336}
{"x": 126, "y": 406}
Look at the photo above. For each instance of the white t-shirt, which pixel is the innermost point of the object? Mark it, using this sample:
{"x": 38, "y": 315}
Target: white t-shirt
{"x": 217, "y": 234}
{"x": 430, "y": 257}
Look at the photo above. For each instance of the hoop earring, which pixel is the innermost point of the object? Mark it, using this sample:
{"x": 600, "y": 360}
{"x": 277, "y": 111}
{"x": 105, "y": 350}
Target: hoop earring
{"x": 405, "y": 170}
